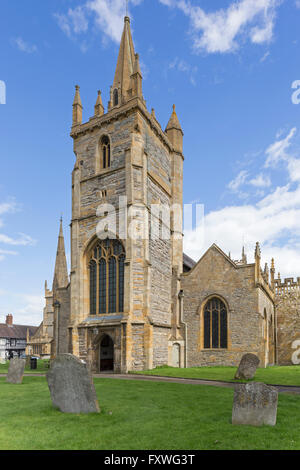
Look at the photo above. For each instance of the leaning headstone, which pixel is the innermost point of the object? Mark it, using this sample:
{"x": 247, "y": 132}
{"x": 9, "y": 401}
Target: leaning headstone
{"x": 16, "y": 370}
{"x": 71, "y": 385}
{"x": 254, "y": 404}
{"x": 247, "y": 367}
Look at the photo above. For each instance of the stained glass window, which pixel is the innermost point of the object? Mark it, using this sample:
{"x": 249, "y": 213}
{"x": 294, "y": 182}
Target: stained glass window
{"x": 93, "y": 280}
{"x": 121, "y": 282}
{"x": 206, "y": 328}
{"x": 215, "y": 324}
{"x": 106, "y": 267}
{"x": 102, "y": 286}
{"x": 112, "y": 285}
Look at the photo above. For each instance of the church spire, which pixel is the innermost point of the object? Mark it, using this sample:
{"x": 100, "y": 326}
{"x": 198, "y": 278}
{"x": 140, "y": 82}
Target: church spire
{"x": 257, "y": 257}
{"x": 99, "y": 109}
{"x": 244, "y": 257}
{"x": 61, "y": 278}
{"x": 174, "y": 131}
{"x": 272, "y": 272}
{"x": 77, "y": 107}
{"x": 125, "y": 67}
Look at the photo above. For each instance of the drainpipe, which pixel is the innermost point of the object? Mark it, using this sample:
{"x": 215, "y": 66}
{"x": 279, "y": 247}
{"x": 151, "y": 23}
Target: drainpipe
{"x": 181, "y": 296}
{"x": 56, "y": 307}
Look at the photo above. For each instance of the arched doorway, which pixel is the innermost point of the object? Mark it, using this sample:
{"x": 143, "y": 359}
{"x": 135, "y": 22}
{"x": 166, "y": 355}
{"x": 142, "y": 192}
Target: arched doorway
{"x": 106, "y": 354}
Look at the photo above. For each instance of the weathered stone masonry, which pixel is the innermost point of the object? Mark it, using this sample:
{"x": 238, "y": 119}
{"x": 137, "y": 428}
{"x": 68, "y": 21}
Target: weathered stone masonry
{"x": 126, "y": 164}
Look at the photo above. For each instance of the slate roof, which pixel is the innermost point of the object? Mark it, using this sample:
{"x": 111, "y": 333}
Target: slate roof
{"x": 16, "y": 331}
{"x": 188, "y": 262}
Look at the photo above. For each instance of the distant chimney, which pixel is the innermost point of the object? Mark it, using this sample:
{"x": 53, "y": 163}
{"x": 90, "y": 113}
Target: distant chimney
{"x": 9, "y": 319}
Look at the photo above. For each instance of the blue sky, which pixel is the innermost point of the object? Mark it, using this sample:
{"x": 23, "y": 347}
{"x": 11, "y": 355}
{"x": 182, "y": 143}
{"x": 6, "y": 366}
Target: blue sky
{"x": 228, "y": 66}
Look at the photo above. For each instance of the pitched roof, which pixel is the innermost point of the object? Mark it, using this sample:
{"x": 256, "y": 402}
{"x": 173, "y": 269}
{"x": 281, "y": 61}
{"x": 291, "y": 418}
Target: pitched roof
{"x": 38, "y": 332}
{"x": 188, "y": 262}
{"x": 16, "y": 331}
{"x": 217, "y": 248}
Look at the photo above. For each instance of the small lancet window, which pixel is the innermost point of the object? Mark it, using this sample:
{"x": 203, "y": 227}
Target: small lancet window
{"x": 116, "y": 97}
{"x": 105, "y": 146}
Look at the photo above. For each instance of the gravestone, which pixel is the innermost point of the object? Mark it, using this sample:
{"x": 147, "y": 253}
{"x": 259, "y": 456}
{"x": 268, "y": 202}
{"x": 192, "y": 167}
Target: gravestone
{"x": 247, "y": 367}
{"x": 254, "y": 404}
{"x": 16, "y": 370}
{"x": 71, "y": 385}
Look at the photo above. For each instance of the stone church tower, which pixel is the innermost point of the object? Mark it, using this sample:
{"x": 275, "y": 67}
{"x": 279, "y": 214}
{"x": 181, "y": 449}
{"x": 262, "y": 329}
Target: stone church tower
{"x": 123, "y": 282}
{"x": 133, "y": 300}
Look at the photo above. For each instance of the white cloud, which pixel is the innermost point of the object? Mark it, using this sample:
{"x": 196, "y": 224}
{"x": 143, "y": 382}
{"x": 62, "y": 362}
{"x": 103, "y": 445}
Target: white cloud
{"x": 10, "y": 207}
{"x": 261, "y": 181}
{"x": 278, "y": 152}
{"x": 273, "y": 220}
{"x": 64, "y": 23}
{"x": 144, "y": 69}
{"x": 22, "y": 240}
{"x": 220, "y": 31}
{"x": 74, "y": 22}
{"x": 33, "y": 304}
{"x": 224, "y": 30}
{"x": 78, "y": 20}
{"x": 297, "y": 3}
{"x": 168, "y": 3}
{"x": 26, "y": 309}
{"x": 109, "y": 17}
{"x": 24, "y": 46}
{"x": 237, "y": 182}
{"x": 182, "y": 66}
{"x": 265, "y": 56}
{"x": 6, "y": 252}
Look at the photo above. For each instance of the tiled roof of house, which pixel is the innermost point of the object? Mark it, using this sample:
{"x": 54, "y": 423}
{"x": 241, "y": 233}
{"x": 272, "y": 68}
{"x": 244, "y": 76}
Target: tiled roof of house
{"x": 16, "y": 331}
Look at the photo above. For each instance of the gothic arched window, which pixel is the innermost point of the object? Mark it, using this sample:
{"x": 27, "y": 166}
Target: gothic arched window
{"x": 106, "y": 267}
{"x": 215, "y": 324}
{"x": 116, "y": 97}
{"x": 105, "y": 152}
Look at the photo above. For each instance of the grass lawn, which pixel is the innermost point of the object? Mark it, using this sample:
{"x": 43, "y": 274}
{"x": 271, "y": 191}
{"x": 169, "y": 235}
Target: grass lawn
{"x": 145, "y": 415}
{"x": 277, "y": 375}
{"x": 41, "y": 367}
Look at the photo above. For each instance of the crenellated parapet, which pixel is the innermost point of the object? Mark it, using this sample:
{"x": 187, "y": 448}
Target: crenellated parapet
{"x": 286, "y": 286}
{"x": 287, "y": 302}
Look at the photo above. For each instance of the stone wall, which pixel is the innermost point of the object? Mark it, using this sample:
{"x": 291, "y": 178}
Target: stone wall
{"x": 160, "y": 349}
{"x": 217, "y": 275}
{"x": 268, "y": 330}
{"x": 160, "y": 254}
{"x": 138, "y": 353}
{"x": 288, "y": 327}
{"x": 141, "y": 169}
